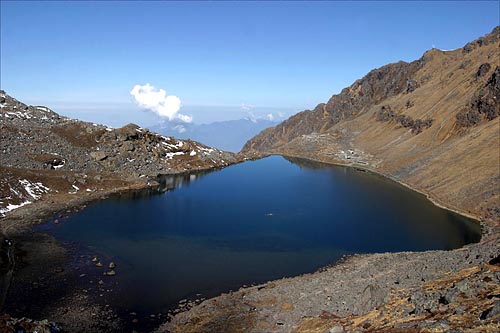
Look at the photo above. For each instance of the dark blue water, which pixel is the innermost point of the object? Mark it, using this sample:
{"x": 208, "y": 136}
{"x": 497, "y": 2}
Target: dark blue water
{"x": 255, "y": 222}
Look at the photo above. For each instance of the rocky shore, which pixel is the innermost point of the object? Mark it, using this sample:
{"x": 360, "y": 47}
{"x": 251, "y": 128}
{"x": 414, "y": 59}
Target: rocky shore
{"x": 432, "y": 291}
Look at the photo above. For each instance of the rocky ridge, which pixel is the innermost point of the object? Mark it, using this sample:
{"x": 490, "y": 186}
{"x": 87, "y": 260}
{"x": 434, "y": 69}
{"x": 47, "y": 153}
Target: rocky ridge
{"x": 37, "y": 138}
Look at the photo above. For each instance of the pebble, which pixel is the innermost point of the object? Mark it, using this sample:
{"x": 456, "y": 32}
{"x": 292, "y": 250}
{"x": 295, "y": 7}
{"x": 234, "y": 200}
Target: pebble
{"x": 111, "y": 273}
{"x": 112, "y": 265}
{"x": 99, "y": 264}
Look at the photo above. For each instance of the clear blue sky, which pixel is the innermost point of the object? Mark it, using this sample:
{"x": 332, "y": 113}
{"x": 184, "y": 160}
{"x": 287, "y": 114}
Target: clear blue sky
{"x": 83, "y": 58}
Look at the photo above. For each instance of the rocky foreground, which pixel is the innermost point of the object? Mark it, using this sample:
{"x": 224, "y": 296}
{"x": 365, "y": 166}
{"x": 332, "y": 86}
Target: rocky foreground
{"x": 432, "y": 125}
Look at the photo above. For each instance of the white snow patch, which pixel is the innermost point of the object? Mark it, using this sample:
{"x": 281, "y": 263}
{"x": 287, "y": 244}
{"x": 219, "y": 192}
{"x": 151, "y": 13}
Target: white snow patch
{"x": 35, "y": 190}
{"x": 12, "y": 207}
{"x": 75, "y": 187}
{"x": 206, "y": 151}
{"x": 192, "y": 153}
{"x": 171, "y": 155}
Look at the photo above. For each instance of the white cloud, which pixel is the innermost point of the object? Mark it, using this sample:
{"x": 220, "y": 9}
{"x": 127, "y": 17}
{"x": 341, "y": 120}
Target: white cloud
{"x": 179, "y": 128}
{"x": 270, "y": 116}
{"x": 156, "y": 100}
{"x": 247, "y": 107}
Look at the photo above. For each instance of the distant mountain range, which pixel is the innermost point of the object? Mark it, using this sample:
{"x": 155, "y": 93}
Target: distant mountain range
{"x": 228, "y": 135}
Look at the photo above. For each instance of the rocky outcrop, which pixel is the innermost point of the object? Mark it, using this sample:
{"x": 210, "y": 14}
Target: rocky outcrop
{"x": 431, "y": 124}
{"x": 485, "y": 104}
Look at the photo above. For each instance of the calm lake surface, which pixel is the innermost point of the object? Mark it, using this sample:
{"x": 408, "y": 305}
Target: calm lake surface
{"x": 251, "y": 223}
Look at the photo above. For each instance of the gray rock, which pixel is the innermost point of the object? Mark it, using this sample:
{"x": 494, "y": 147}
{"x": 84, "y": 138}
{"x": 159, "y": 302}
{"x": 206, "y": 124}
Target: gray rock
{"x": 98, "y": 155}
{"x": 338, "y": 328}
{"x": 111, "y": 273}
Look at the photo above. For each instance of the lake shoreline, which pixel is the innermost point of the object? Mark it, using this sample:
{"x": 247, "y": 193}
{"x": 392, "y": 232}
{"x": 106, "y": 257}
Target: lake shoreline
{"x": 39, "y": 256}
{"x": 292, "y": 304}
{"x": 33, "y": 214}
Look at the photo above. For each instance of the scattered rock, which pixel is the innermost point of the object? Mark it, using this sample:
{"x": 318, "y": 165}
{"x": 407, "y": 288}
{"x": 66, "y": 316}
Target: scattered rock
{"x": 111, "y": 273}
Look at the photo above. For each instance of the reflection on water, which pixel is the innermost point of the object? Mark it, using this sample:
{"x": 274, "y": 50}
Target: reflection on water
{"x": 254, "y": 222}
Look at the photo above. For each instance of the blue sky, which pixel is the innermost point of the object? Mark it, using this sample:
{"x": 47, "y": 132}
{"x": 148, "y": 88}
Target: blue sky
{"x": 83, "y": 58}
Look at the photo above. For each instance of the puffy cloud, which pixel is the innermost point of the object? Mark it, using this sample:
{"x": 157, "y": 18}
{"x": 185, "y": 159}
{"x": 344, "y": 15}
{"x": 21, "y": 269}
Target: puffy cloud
{"x": 157, "y": 100}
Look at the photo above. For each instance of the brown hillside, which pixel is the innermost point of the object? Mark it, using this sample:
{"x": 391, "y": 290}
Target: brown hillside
{"x": 432, "y": 124}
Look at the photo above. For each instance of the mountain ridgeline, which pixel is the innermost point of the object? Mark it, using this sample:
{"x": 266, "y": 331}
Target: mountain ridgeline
{"x": 432, "y": 124}
{"x": 229, "y": 135}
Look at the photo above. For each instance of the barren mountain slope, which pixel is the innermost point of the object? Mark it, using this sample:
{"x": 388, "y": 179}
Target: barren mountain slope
{"x": 432, "y": 124}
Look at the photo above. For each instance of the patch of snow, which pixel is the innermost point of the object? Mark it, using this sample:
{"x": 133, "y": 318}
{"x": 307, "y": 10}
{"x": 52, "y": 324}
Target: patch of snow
{"x": 206, "y": 151}
{"x": 75, "y": 187}
{"x": 35, "y": 190}
{"x": 12, "y": 207}
{"x": 192, "y": 153}
{"x": 171, "y": 155}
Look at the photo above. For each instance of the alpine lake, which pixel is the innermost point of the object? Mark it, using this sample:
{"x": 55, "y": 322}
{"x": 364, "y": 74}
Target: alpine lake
{"x": 206, "y": 233}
